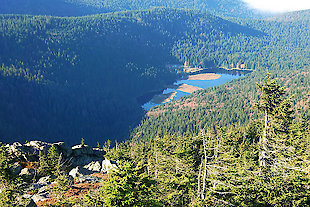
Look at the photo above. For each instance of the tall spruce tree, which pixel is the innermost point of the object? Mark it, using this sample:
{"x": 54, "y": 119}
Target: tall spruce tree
{"x": 277, "y": 118}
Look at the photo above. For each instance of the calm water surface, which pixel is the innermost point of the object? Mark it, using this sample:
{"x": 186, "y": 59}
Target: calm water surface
{"x": 199, "y": 83}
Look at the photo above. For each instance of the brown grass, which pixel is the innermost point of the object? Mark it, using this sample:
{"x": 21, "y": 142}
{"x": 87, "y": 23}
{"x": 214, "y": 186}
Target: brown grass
{"x": 204, "y": 76}
{"x": 188, "y": 88}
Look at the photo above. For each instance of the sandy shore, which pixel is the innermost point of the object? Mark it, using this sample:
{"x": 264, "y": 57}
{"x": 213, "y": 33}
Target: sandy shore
{"x": 204, "y": 76}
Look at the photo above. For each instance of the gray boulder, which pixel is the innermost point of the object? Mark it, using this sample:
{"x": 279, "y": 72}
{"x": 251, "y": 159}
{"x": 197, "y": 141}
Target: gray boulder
{"x": 37, "y": 145}
{"x": 75, "y": 172}
{"x": 89, "y": 179}
{"x": 30, "y": 150}
{"x": 43, "y": 190}
{"x": 81, "y": 149}
{"x": 108, "y": 166}
{"x": 83, "y": 154}
{"x": 94, "y": 166}
{"x": 78, "y": 172}
{"x": 27, "y": 172}
{"x": 63, "y": 149}
{"x": 15, "y": 147}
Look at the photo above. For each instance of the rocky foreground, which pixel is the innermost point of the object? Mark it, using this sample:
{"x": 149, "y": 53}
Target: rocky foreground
{"x": 87, "y": 168}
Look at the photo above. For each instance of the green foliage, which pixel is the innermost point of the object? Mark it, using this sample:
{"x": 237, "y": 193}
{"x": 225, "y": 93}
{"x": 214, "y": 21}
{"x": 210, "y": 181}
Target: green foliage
{"x": 7, "y": 159}
{"x": 82, "y": 141}
{"x": 7, "y": 198}
{"x": 95, "y": 68}
{"x": 50, "y": 163}
{"x": 128, "y": 186}
{"x": 44, "y": 168}
{"x": 62, "y": 183}
{"x": 8, "y": 182}
{"x": 223, "y": 105}
{"x": 52, "y": 159}
{"x": 107, "y": 145}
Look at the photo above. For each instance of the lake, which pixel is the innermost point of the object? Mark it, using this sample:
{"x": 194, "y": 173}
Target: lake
{"x": 184, "y": 87}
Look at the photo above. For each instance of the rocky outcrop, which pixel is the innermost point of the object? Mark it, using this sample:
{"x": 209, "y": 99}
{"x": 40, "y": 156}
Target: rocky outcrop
{"x": 87, "y": 165}
{"x": 83, "y": 154}
{"x": 30, "y": 151}
{"x": 79, "y": 155}
{"x": 94, "y": 166}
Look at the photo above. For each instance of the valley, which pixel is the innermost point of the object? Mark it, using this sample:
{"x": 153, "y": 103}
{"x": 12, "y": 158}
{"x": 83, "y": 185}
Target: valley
{"x": 189, "y": 103}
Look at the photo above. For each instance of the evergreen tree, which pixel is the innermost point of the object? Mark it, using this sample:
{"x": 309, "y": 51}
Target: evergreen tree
{"x": 43, "y": 169}
{"x": 53, "y": 159}
{"x": 129, "y": 186}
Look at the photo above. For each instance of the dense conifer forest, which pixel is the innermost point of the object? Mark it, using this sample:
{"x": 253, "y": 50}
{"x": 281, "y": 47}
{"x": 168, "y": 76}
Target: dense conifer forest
{"x": 93, "y": 67}
{"x": 264, "y": 163}
{"x": 282, "y": 48}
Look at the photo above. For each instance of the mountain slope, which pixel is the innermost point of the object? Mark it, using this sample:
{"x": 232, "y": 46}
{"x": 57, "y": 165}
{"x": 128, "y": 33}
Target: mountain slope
{"x": 283, "y": 50}
{"x": 67, "y": 78}
{"x": 88, "y": 72}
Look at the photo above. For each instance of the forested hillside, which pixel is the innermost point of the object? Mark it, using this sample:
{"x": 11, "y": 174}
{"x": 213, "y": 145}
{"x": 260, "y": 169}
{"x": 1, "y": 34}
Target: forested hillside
{"x": 234, "y": 8}
{"x": 282, "y": 48}
{"x": 265, "y": 163}
{"x": 88, "y": 71}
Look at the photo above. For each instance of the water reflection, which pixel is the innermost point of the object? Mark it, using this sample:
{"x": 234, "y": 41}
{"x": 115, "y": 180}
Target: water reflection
{"x": 174, "y": 93}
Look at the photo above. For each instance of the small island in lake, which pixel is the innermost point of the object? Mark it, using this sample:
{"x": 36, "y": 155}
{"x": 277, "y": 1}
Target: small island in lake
{"x": 167, "y": 97}
{"x": 188, "y": 88}
{"x": 204, "y": 76}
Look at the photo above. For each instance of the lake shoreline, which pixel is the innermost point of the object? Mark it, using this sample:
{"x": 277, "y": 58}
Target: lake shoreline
{"x": 158, "y": 97}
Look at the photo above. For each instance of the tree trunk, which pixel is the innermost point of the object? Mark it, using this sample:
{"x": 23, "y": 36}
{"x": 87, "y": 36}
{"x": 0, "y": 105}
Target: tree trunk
{"x": 205, "y": 168}
{"x": 264, "y": 150}
{"x": 199, "y": 175}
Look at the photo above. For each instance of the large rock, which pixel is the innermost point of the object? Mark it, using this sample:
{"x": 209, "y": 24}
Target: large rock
{"x": 45, "y": 180}
{"x": 27, "y": 172}
{"x": 94, "y": 166}
{"x": 30, "y": 150}
{"x": 78, "y": 172}
{"x": 75, "y": 172}
{"x": 81, "y": 149}
{"x": 89, "y": 179}
{"x": 37, "y": 145}
{"x": 63, "y": 149}
{"x": 108, "y": 166}
{"x": 83, "y": 154}
{"x": 15, "y": 147}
